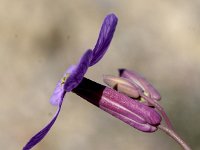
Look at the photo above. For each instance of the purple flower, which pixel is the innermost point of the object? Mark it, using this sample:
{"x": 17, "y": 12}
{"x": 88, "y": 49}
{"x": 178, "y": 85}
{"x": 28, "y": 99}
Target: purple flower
{"x": 74, "y": 75}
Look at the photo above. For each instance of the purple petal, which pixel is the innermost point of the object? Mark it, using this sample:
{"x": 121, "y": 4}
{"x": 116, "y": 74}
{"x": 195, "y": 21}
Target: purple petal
{"x": 71, "y": 69}
{"x": 42, "y": 133}
{"x": 56, "y": 97}
{"x": 105, "y": 37}
{"x": 77, "y": 75}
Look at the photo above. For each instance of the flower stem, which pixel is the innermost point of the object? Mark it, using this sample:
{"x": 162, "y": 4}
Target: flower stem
{"x": 174, "y": 135}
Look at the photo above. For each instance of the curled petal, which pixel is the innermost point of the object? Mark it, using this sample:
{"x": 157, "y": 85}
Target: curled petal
{"x": 141, "y": 82}
{"x": 42, "y": 133}
{"x": 77, "y": 74}
{"x": 105, "y": 37}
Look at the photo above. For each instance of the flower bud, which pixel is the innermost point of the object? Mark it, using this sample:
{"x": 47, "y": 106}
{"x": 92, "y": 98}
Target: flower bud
{"x": 122, "y": 85}
{"x": 140, "y": 81}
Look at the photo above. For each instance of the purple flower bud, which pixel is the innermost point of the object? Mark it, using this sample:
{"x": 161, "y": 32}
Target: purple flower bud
{"x": 122, "y": 85}
{"x": 141, "y": 82}
{"x": 128, "y": 110}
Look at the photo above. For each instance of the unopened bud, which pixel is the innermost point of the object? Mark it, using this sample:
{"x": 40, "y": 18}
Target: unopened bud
{"x": 148, "y": 89}
{"x": 122, "y": 85}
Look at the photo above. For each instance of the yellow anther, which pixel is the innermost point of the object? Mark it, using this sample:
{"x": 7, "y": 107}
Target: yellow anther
{"x": 63, "y": 80}
{"x": 142, "y": 100}
{"x": 146, "y": 94}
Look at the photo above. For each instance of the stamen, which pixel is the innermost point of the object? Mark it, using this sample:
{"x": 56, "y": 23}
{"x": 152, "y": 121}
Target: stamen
{"x": 63, "y": 80}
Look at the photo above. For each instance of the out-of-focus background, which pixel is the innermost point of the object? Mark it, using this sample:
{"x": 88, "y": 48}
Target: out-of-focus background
{"x": 39, "y": 39}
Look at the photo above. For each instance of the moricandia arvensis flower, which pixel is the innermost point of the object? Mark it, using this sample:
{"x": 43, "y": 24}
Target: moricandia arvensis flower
{"x": 118, "y": 102}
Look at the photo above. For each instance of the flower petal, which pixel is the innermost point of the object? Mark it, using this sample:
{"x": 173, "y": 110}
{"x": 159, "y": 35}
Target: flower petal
{"x": 42, "y": 133}
{"x": 77, "y": 74}
{"x": 105, "y": 37}
{"x": 56, "y": 97}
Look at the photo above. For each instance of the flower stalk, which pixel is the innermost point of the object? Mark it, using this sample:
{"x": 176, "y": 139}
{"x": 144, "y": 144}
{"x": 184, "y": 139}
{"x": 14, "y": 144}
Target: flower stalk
{"x": 175, "y": 136}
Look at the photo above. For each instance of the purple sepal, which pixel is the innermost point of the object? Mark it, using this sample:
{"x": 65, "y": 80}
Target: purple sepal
{"x": 77, "y": 75}
{"x": 117, "y": 102}
{"x": 129, "y": 111}
{"x": 141, "y": 82}
{"x": 144, "y": 127}
{"x": 105, "y": 37}
{"x": 42, "y": 133}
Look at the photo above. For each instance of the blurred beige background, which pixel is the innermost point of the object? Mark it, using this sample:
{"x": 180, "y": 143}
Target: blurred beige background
{"x": 39, "y": 39}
